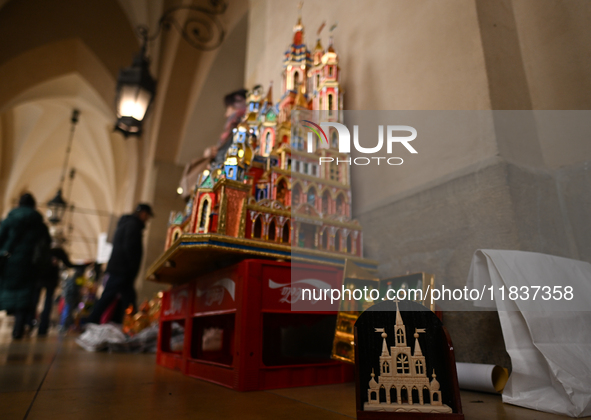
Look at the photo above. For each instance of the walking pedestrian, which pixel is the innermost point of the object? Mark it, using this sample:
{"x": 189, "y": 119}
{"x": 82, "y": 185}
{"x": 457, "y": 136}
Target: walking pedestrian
{"x": 124, "y": 264}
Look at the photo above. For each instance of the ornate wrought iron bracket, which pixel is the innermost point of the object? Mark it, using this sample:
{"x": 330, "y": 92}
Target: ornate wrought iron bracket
{"x": 202, "y": 28}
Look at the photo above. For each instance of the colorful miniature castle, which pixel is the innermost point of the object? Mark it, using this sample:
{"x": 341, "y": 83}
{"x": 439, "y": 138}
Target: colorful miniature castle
{"x": 271, "y": 188}
{"x": 403, "y": 377}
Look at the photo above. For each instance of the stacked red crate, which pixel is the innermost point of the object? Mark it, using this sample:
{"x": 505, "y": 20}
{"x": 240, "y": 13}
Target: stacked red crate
{"x": 241, "y": 331}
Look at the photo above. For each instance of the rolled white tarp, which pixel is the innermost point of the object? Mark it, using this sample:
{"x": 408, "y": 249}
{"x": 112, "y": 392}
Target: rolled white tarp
{"x": 483, "y": 378}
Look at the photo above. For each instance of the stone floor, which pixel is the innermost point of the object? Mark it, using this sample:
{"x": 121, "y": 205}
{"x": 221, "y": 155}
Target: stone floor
{"x": 53, "y": 378}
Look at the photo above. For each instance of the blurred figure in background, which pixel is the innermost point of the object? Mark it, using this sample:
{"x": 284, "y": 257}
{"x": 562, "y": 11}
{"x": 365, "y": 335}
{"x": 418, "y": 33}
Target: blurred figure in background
{"x": 23, "y": 240}
{"x": 124, "y": 264}
{"x": 49, "y": 275}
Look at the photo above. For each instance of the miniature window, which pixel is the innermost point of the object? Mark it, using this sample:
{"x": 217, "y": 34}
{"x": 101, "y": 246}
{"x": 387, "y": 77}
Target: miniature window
{"x": 296, "y": 80}
{"x": 268, "y": 143}
{"x": 341, "y": 205}
{"x": 314, "y": 170}
{"x": 334, "y": 140}
{"x": 325, "y": 202}
{"x": 317, "y": 81}
{"x": 419, "y": 367}
{"x": 349, "y": 243}
{"x": 330, "y": 68}
{"x": 329, "y": 104}
{"x": 400, "y": 336}
{"x": 286, "y": 234}
{"x": 402, "y": 364}
{"x": 281, "y": 193}
{"x": 295, "y": 195}
{"x": 386, "y": 367}
{"x": 258, "y": 228}
{"x": 305, "y": 168}
{"x": 297, "y": 166}
{"x": 204, "y": 209}
{"x": 311, "y": 196}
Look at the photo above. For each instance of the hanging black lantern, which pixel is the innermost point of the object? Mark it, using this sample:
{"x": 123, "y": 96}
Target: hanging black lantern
{"x": 135, "y": 91}
{"x": 56, "y": 208}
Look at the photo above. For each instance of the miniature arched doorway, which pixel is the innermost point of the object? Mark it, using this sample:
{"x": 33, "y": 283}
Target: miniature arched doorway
{"x": 372, "y": 395}
{"x": 286, "y": 233}
{"x": 330, "y": 105}
{"x": 349, "y": 243}
{"x": 296, "y": 194}
{"x": 325, "y": 202}
{"x": 414, "y": 395}
{"x": 403, "y": 395}
{"x": 282, "y": 192}
{"x": 271, "y": 235}
{"x": 341, "y": 207}
{"x": 257, "y": 230}
{"x": 382, "y": 394}
{"x": 426, "y": 395}
{"x": 393, "y": 395}
{"x": 337, "y": 241}
{"x": 323, "y": 240}
{"x": 435, "y": 397}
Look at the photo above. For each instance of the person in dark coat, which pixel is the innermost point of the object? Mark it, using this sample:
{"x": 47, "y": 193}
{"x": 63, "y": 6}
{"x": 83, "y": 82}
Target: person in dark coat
{"x": 23, "y": 235}
{"x": 124, "y": 264}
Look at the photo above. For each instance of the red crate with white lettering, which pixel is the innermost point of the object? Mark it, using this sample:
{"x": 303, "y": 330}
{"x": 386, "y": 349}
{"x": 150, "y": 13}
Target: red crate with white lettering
{"x": 241, "y": 331}
{"x": 176, "y": 304}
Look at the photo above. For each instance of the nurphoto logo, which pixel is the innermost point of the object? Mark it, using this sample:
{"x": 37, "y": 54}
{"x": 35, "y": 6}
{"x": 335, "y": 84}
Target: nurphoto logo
{"x": 393, "y": 137}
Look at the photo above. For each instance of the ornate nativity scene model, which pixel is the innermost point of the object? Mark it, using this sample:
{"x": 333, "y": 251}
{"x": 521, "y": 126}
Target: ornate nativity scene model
{"x": 271, "y": 197}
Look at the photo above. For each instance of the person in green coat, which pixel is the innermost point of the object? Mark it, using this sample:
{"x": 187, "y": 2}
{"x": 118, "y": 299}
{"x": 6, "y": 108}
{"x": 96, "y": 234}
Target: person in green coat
{"x": 23, "y": 238}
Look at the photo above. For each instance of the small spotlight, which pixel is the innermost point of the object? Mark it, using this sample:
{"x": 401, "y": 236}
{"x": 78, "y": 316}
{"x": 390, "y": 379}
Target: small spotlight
{"x": 240, "y": 153}
{"x": 179, "y": 190}
{"x": 206, "y": 172}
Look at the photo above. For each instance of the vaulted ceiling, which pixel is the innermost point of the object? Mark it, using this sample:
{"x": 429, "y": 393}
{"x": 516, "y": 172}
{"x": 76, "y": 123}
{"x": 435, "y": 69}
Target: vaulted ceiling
{"x": 65, "y": 54}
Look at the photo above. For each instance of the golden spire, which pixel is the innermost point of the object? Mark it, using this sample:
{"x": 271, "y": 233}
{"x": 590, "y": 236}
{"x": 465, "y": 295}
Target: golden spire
{"x": 300, "y": 99}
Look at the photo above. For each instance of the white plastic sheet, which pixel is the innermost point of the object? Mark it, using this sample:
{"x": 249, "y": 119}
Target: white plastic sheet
{"x": 550, "y": 349}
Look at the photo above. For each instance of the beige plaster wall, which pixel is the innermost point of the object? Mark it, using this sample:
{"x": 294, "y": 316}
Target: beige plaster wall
{"x": 395, "y": 54}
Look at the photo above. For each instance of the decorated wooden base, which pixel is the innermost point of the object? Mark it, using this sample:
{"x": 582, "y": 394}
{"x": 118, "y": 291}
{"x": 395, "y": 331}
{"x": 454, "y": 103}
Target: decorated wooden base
{"x": 405, "y": 364}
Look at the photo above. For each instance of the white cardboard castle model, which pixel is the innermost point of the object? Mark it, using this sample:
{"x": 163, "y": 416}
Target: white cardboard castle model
{"x": 403, "y": 377}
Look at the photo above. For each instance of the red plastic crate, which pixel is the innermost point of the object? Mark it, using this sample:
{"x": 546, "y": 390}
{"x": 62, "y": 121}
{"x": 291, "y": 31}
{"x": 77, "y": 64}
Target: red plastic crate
{"x": 175, "y": 308}
{"x": 241, "y": 332}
